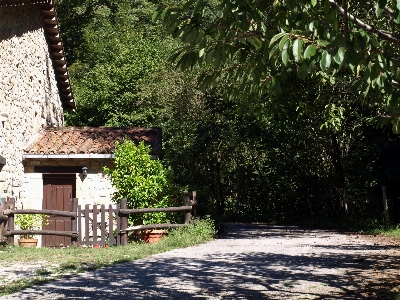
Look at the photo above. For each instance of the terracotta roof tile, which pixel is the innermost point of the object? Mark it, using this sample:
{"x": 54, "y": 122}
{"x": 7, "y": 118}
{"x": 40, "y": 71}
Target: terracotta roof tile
{"x": 91, "y": 140}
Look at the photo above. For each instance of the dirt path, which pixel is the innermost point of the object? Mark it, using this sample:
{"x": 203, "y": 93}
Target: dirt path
{"x": 246, "y": 262}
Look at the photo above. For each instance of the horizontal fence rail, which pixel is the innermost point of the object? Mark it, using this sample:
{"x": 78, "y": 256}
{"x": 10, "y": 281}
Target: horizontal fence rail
{"x": 60, "y": 213}
{"x": 150, "y": 210}
{"x": 124, "y": 213}
{"x": 94, "y": 225}
{"x": 42, "y": 232}
{"x": 11, "y": 212}
{"x": 152, "y": 226}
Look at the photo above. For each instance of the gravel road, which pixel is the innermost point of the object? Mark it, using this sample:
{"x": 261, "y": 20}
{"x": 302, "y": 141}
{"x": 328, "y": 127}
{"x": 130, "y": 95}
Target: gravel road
{"x": 248, "y": 261}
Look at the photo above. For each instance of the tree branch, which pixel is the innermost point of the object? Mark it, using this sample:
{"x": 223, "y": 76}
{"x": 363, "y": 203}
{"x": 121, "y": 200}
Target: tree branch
{"x": 346, "y": 23}
{"x": 360, "y": 24}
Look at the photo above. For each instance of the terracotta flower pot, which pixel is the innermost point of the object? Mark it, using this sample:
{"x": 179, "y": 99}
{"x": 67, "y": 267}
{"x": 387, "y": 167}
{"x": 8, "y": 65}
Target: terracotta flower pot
{"x": 28, "y": 242}
{"x": 152, "y": 236}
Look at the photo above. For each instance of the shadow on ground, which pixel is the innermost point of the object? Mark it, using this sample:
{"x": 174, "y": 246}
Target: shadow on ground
{"x": 230, "y": 275}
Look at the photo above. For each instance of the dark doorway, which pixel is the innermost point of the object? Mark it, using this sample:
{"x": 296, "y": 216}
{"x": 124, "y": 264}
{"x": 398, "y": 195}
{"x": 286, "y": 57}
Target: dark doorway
{"x": 58, "y": 191}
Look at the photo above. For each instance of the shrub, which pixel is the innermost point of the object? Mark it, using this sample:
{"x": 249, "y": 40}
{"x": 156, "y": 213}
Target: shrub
{"x": 144, "y": 182}
{"x": 30, "y": 222}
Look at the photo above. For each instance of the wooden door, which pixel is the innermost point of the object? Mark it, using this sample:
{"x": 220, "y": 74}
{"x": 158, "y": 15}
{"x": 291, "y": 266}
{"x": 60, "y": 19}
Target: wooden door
{"x": 58, "y": 191}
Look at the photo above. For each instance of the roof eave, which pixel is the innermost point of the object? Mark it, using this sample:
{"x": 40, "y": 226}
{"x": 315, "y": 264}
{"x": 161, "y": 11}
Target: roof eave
{"x": 72, "y": 156}
{"x": 68, "y": 156}
{"x": 56, "y": 47}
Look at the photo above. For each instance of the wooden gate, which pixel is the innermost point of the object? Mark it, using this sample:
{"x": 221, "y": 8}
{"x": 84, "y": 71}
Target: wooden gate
{"x": 97, "y": 225}
{"x": 58, "y": 191}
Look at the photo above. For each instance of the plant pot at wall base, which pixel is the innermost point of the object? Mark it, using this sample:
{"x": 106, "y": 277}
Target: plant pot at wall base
{"x": 28, "y": 243}
{"x": 152, "y": 236}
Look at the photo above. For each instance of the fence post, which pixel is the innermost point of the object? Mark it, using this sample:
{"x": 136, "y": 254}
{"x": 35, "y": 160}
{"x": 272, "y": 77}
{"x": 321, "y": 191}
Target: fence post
{"x": 10, "y": 204}
{"x": 3, "y": 219}
{"x": 188, "y": 218}
{"x": 195, "y": 205}
{"x": 74, "y": 226}
{"x": 124, "y": 223}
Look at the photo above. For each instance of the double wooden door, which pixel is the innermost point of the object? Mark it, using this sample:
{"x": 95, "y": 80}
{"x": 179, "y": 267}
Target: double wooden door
{"x": 58, "y": 191}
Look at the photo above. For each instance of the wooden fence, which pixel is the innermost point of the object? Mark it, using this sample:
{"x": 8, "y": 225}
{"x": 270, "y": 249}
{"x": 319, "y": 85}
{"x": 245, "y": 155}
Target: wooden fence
{"x": 5, "y": 203}
{"x": 93, "y": 225}
{"x": 11, "y": 212}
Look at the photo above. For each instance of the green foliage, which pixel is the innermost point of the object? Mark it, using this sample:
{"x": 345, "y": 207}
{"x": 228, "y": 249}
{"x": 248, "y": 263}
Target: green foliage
{"x": 198, "y": 231}
{"x": 316, "y": 146}
{"x": 253, "y": 45}
{"x": 284, "y": 112}
{"x": 113, "y": 50}
{"x": 30, "y": 222}
{"x": 145, "y": 182}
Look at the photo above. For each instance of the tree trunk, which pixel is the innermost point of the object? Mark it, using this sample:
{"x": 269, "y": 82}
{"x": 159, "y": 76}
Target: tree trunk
{"x": 385, "y": 204}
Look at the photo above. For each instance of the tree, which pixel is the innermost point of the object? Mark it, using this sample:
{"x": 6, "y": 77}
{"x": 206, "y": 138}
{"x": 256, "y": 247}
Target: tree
{"x": 255, "y": 44}
{"x": 114, "y": 50}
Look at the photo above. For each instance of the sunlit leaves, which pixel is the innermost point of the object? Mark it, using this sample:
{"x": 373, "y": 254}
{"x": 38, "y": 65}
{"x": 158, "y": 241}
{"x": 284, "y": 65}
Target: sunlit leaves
{"x": 305, "y": 36}
{"x": 311, "y": 50}
{"x": 297, "y": 49}
{"x": 325, "y": 61}
{"x": 284, "y": 41}
{"x": 340, "y": 56}
{"x": 285, "y": 54}
{"x": 277, "y": 37}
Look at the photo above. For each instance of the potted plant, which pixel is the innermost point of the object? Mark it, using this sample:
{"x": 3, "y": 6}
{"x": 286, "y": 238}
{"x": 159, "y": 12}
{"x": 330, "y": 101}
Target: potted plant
{"x": 145, "y": 183}
{"x": 30, "y": 222}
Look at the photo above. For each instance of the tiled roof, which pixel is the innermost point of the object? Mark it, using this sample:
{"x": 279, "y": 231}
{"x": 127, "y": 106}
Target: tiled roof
{"x": 91, "y": 140}
{"x": 56, "y": 48}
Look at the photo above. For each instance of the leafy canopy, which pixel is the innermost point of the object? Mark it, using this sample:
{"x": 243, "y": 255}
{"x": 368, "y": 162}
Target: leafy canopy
{"x": 113, "y": 50}
{"x": 254, "y": 44}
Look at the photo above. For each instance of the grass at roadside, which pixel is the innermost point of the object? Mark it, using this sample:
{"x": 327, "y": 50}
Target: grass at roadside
{"x": 57, "y": 263}
{"x": 392, "y": 231}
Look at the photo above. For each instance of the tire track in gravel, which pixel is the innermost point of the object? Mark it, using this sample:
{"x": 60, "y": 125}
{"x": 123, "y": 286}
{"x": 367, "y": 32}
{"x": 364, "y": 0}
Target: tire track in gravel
{"x": 248, "y": 261}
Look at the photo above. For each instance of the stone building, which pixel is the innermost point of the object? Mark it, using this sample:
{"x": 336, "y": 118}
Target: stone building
{"x": 42, "y": 162}
{"x": 34, "y": 83}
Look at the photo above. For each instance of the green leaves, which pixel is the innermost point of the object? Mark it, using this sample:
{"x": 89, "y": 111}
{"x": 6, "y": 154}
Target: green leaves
{"x": 277, "y": 37}
{"x": 302, "y": 71}
{"x": 325, "y": 61}
{"x": 380, "y": 6}
{"x": 31, "y": 222}
{"x": 340, "y": 56}
{"x": 142, "y": 180}
{"x": 285, "y": 55}
{"x": 310, "y": 51}
{"x": 297, "y": 49}
{"x": 283, "y": 41}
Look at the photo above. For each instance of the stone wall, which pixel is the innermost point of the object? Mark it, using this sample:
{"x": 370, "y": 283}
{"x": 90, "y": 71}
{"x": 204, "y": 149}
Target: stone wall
{"x": 29, "y": 98}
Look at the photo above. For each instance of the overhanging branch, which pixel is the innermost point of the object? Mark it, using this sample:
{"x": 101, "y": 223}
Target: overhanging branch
{"x": 368, "y": 28}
